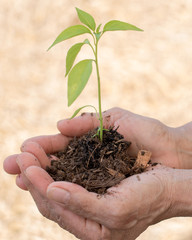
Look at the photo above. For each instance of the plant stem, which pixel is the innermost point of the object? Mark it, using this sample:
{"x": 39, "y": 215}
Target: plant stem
{"x": 99, "y": 91}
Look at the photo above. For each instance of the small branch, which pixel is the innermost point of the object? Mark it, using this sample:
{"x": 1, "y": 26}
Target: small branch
{"x": 143, "y": 158}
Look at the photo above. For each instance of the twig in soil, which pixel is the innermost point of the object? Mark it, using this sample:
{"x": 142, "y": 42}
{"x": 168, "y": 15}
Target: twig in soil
{"x": 143, "y": 158}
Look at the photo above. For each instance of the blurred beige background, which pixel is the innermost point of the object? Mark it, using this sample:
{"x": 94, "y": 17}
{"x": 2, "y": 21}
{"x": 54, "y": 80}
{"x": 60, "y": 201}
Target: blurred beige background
{"x": 148, "y": 73}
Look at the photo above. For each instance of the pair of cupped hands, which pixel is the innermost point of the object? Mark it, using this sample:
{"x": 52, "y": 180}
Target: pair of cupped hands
{"x": 127, "y": 209}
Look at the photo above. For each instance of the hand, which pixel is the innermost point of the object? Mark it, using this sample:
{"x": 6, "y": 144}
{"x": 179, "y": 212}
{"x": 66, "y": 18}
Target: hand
{"x": 136, "y": 128}
{"x": 125, "y": 212}
{"x": 39, "y": 146}
{"x": 169, "y": 146}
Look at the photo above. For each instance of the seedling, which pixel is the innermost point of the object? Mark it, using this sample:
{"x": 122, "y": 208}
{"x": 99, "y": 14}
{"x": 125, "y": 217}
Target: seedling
{"x": 79, "y": 74}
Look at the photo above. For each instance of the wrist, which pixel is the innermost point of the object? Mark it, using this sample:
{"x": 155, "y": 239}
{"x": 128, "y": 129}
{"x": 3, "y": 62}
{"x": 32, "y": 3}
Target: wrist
{"x": 177, "y": 194}
{"x": 183, "y": 136}
{"x": 181, "y": 194}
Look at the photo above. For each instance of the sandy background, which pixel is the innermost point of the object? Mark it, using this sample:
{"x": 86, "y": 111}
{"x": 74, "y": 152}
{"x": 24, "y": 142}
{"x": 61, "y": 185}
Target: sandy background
{"x": 148, "y": 73}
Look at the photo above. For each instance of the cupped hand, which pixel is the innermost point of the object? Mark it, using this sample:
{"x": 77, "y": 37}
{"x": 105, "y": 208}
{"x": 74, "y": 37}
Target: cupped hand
{"x": 144, "y": 133}
{"x": 124, "y": 212}
{"x": 39, "y": 146}
{"x": 129, "y": 208}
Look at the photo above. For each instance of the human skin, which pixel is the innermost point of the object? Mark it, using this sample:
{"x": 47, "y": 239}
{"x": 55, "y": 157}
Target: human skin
{"x": 129, "y": 208}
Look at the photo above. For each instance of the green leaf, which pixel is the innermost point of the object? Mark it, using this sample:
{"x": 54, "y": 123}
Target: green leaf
{"x": 98, "y": 28}
{"x": 71, "y": 56}
{"x": 86, "y": 18}
{"x": 79, "y": 109}
{"x": 70, "y": 32}
{"x": 116, "y": 25}
{"x": 78, "y": 78}
{"x": 86, "y": 41}
{"x": 97, "y": 35}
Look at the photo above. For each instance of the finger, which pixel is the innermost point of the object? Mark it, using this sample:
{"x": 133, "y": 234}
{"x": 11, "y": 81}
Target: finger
{"x": 37, "y": 175}
{"x": 25, "y": 160}
{"x": 81, "y": 202}
{"x": 20, "y": 182}
{"x": 81, "y": 227}
{"x": 50, "y": 143}
{"x": 79, "y": 125}
{"x": 10, "y": 165}
{"x": 37, "y": 151}
{"x": 88, "y": 121}
{"x": 39, "y": 178}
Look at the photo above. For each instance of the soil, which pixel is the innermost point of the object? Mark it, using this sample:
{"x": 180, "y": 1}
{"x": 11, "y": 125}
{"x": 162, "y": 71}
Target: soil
{"x": 97, "y": 165}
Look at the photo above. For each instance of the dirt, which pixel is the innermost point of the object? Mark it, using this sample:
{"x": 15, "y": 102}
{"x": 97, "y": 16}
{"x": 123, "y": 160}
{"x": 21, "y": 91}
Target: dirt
{"x": 97, "y": 165}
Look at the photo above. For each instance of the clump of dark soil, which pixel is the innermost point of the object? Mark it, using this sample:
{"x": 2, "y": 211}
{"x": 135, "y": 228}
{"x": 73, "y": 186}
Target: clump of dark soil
{"x": 96, "y": 165}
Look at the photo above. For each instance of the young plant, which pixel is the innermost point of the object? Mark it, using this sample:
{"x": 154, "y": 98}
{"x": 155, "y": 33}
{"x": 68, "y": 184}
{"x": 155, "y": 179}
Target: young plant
{"x": 79, "y": 74}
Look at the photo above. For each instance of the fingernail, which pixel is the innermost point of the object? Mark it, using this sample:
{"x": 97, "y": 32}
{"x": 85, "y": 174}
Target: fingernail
{"x": 58, "y": 194}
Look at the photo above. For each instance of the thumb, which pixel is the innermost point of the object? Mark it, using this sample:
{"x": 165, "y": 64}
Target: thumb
{"x": 81, "y": 202}
{"x": 78, "y": 125}
{"x": 88, "y": 121}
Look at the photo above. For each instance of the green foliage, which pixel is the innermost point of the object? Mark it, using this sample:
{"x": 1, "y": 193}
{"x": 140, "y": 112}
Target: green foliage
{"x": 86, "y": 18}
{"x": 116, "y": 25}
{"x": 71, "y": 56}
{"x": 79, "y": 74}
{"x": 98, "y": 28}
{"x": 70, "y": 32}
{"x": 78, "y": 78}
